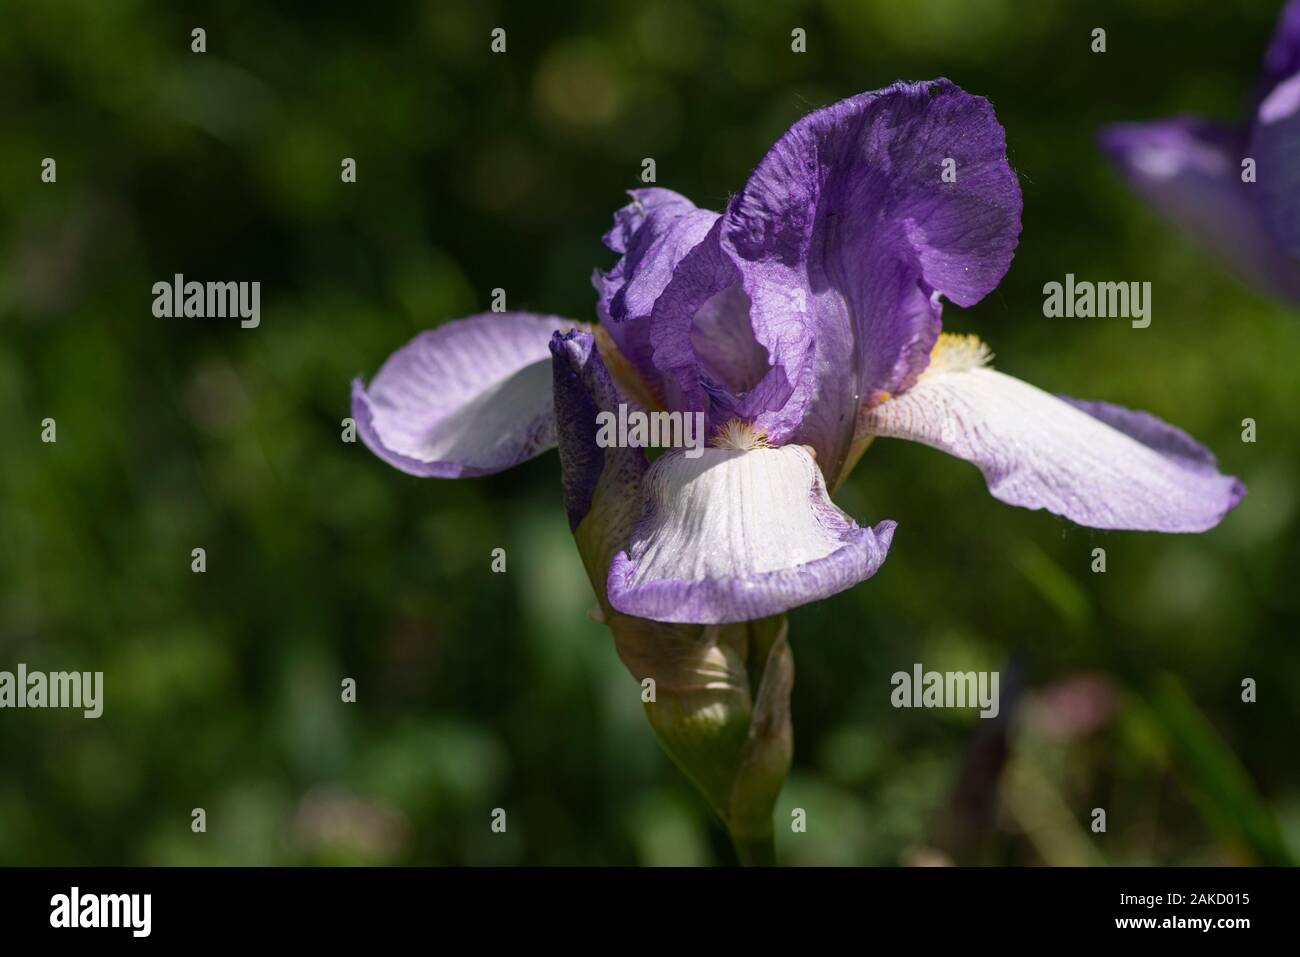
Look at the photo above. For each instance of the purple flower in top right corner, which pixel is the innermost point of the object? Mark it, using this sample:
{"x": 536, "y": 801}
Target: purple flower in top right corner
{"x": 1233, "y": 187}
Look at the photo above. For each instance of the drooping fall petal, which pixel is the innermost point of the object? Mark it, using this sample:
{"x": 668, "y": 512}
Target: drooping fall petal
{"x": 469, "y": 398}
{"x": 1094, "y": 463}
{"x": 737, "y": 535}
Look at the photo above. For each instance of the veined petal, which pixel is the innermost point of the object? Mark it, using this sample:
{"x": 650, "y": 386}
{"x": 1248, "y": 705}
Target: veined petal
{"x": 853, "y": 208}
{"x": 469, "y": 398}
{"x": 1190, "y": 170}
{"x": 739, "y": 535}
{"x": 652, "y": 233}
{"x": 1096, "y": 464}
{"x": 819, "y": 285}
{"x": 843, "y": 238}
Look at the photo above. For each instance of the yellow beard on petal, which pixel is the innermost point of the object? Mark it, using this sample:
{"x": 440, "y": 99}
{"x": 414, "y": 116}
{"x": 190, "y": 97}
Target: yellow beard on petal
{"x": 952, "y": 352}
{"x": 957, "y": 352}
{"x": 741, "y": 436}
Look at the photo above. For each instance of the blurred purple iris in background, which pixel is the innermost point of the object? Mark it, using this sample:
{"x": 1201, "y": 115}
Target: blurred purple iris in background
{"x": 802, "y": 321}
{"x": 1233, "y": 187}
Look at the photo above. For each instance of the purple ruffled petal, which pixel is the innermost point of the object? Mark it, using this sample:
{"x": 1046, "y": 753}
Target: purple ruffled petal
{"x": 1190, "y": 170}
{"x": 838, "y": 248}
{"x": 1096, "y": 464}
{"x": 652, "y": 233}
{"x": 705, "y": 299}
{"x": 851, "y": 208}
{"x": 471, "y": 397}
{"x": 738, "y": 535}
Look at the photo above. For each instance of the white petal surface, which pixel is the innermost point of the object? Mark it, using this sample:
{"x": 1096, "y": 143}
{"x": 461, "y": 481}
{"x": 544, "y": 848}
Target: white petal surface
{"x": 1098, "y": 465}
{"x": 737, "y": 535}
{"x": 471, "y": 397}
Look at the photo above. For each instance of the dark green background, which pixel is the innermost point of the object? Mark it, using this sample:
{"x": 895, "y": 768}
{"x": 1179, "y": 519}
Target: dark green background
{"x": 479, "y": 690}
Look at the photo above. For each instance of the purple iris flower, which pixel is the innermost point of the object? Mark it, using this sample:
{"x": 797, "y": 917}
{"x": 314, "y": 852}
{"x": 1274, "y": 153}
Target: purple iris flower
{"x": 801, "y": 322}
{"x": 1234, "y": 187}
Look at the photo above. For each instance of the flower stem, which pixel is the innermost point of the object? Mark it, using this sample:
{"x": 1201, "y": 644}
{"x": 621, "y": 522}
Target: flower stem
{"x": 759, "y": 852}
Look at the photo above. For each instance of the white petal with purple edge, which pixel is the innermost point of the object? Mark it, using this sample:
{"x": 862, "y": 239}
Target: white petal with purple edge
{"x": 738, "y": 535}
{"x": 1095, "y": 464}
{"x": 469, "y": 398}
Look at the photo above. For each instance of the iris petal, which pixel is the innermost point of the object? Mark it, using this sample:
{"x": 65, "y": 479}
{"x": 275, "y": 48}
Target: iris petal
{"x": 1096, "y": 464}
{"x": 469, "y": 398}
{"x": 738, "y": 535}
{"x": 1275, "y": 144}
{"x": 583, "y": 388}
{"x": 828, "y": 264}
{"x": 1282, "y": 59}
{"x": 1190, "y": 170}
{"x": 652, "y": 233}
{"x": 867, "y": 210}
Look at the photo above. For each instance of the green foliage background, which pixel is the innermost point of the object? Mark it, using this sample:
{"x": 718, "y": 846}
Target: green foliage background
{"x": 478, "y": 690}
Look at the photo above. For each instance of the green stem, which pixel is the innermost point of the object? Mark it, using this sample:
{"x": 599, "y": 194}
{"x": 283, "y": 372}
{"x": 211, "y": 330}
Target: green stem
{"x": 755, "y": 853}
{"x": 765, "y": 759}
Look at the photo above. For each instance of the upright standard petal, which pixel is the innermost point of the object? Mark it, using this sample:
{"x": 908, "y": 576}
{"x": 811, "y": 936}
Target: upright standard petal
{"x": 1190, "y": 170}
{"x": 737, "y": 535}
{"x": 652, "y": 233}
{"x": 843, "y": 238}
{"x": 1096, "y": 464}
{"x": 469, "y": 398}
